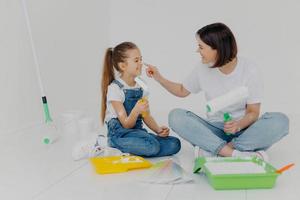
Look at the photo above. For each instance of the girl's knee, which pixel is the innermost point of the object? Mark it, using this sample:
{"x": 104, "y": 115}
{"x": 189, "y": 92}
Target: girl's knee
{"x": 175, "y": 145}
{"x": 152, "y": 148}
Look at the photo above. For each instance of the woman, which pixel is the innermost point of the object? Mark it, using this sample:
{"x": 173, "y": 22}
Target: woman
{"x": 220, "y": 72}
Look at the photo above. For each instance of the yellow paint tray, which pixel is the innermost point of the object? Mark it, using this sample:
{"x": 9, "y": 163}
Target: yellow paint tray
{"x": 118, "y": 164}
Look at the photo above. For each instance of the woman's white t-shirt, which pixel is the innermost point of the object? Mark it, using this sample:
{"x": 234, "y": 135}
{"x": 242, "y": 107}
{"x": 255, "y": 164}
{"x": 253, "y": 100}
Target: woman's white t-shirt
{"x": 215, "y": 83}
{"x": 115, "y": 93}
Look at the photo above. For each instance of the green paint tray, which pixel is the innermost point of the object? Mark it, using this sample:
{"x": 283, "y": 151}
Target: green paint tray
{"x": 237, "y": 173}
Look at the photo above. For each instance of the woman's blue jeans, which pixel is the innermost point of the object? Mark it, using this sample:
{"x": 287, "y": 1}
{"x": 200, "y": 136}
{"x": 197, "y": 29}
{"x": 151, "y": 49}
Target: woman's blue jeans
{"x": 262, "y": 134}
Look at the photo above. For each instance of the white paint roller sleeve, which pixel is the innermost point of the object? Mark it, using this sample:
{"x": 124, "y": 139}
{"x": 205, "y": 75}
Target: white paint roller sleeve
{"x": 143, "y": 85}
{"x": 234, "y": 96}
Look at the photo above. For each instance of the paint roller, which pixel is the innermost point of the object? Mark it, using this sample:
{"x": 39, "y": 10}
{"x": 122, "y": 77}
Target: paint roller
{"x": 144, "y": 86}
{"x": 232, "y": 97}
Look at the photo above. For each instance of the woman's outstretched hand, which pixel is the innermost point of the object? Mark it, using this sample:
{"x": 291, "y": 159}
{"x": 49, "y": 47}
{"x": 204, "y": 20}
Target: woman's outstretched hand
{"x": 152, "y": 72}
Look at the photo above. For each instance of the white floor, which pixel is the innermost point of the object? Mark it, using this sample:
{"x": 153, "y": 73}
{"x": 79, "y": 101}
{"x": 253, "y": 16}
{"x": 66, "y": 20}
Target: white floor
{"x": 31, "y": 170}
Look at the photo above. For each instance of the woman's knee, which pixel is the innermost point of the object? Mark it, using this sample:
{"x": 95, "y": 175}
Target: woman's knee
{"x": 280, "y": 122}
{"x": 175, "y": 117}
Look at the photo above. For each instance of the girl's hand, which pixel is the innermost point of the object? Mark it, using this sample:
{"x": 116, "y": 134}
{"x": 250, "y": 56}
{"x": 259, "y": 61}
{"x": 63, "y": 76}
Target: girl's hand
{"x": 163, "y": 131}
{"x": 231, "y": 127}
{"x": 152, "y": 71}
{"x": 141, "y": 106}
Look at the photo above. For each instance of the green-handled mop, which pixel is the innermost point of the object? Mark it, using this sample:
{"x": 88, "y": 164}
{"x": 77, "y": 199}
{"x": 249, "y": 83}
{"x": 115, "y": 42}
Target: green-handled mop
{"x": 51, "y": 132}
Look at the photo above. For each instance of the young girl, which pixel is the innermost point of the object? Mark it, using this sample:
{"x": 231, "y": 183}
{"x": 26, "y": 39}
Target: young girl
{"x": 122, "y": 110}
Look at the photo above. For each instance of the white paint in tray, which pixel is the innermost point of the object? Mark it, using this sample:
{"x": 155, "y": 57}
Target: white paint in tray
{"x": 217, "y": 168}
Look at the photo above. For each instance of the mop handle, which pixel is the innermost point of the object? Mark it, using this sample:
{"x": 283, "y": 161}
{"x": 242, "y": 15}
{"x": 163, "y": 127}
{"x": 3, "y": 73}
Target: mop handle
{"x": 37, "y": 67}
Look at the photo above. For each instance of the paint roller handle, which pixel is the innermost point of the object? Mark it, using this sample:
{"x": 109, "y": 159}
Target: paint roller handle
{"x": 144, "y": 100}
{"x": 227, "y": 117}
{"x": 279, "y": 171}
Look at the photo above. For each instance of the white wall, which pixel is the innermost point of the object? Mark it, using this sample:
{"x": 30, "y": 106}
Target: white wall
{"x": 266, "y": 31}
{"x": 70, "y": 37}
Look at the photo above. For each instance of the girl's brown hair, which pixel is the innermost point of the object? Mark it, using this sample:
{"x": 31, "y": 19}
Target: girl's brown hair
{"x": 112, "y": 58}
{"x": 218, "y": 36}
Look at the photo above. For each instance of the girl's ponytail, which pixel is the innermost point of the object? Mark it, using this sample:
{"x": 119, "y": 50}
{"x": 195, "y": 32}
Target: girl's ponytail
{"x": 111, "y": 61}
{"x": 107, "y": 77}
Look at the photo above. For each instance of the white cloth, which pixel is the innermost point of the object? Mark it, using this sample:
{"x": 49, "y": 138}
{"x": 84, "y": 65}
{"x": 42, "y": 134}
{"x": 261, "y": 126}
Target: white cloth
{"x": 115, "y": 93}
{"x": 215, "y": 83}
{"x": 167, "y": 172}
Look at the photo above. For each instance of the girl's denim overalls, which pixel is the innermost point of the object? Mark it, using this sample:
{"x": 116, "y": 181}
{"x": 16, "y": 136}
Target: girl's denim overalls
{"x": 137, "y": 140}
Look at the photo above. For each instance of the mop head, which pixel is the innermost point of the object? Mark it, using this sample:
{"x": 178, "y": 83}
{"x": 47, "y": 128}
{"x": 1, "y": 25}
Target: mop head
{"x": 50, "y": 133}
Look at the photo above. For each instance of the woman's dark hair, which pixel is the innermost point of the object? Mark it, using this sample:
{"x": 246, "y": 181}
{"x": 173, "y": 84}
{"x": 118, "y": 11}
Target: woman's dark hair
{"x": 219, "y": 37}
